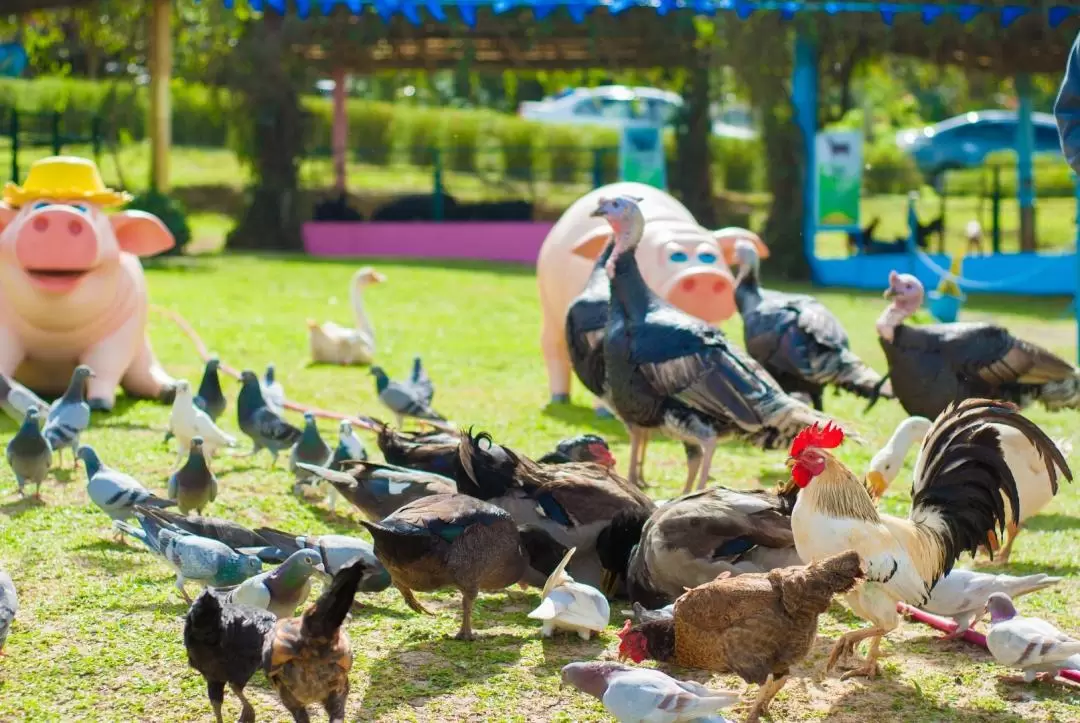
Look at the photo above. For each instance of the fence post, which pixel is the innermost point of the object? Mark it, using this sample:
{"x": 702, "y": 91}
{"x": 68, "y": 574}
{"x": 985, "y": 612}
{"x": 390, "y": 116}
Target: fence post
{"x": 95, "y": 138}
{"x": 437, "y": 206}
{"x": 14, "y": 146}
{"x": 995, "y": 210}
{"x": 598, "y": 167}
{"x": 57, "y": 144}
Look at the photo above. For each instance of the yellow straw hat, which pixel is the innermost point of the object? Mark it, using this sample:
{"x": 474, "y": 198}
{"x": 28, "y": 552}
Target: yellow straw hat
{"x": 64, "y": 178}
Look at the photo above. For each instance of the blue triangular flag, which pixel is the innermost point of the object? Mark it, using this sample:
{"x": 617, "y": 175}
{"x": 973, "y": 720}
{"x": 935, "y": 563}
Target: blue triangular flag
{"x": 256, "y": 5}
{"x": 1010, "y": 13}
{"x": 1059, "y": 13}
{"x": 744, "y": 9}
{"x": 502, "y": 6}
{"x": 704, "y": 7}
{"x": 303, "y": 8}
{"x": 355, "y": 6}
{"x": 436, "y": 9}
{"x": 410, "y": 12}
{"x": 385, "y": 10}
{"x": 468, "y": 14}
{"x": 577, "y": 11}
{"x": 832, "y": 8}
{"x": 542, "y": 10}
{"x": 280, "y": 5}
{"x": 327, "y": 6}
{"x": 788, "y": 10}
{"x": 619, "y": 6}
{"x": 930, "y": 13}
{"x": 967, "y": 13}
{"x": 888, "y": 13}
{"x": 229, "y": 4}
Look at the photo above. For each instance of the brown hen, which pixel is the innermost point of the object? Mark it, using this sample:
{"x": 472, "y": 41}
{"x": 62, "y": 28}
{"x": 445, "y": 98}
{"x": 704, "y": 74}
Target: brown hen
{"x": 755, "y": 625}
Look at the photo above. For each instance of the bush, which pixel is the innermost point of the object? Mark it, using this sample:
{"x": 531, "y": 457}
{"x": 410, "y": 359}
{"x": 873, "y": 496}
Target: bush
{"x": 518, "y": 137}
{"x": 372, "y": 127}
{"x": 463, "y": 131}
{"x": 422, "y": 133}
{"x": 888, "y": 169}
{"x": 604, "y": 146}
{"x": 171, "y": 213}
{"x": 741, "y": 162}
{"x": 565, "y": 154}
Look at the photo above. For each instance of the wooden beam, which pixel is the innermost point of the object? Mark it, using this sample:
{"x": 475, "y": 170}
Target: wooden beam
{"x": 160, "y": 106}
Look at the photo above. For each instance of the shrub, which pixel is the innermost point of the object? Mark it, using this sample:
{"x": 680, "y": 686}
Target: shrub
{"x": 888, "y": 169}
{"x": 604, "y": 162}
{"x": 741, "y": 162}
{"x": 463, "y": 131}
{"x": 565, "y": 154}
{"x": 422, "y": 132}
{"x": 171, "y": 213}
{"x": 517, "y": 137}
{"x": 371, "y": 128}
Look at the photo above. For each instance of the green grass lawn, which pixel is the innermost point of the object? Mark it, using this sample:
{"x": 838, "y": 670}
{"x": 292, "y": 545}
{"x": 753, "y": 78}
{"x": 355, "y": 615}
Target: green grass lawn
{"x": 98, "y": 637}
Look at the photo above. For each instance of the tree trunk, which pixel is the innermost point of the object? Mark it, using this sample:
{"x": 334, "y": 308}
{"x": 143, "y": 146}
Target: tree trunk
{"x": 272, "y": 105}
{"x": 784, "y": 164}
{"x": 692, "y": 180}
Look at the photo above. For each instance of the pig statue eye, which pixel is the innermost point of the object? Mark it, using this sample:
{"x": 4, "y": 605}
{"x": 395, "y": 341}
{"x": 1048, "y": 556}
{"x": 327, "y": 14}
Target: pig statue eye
{"x": 679, "y": 257}
{"x": 80, "y": 207}
{"x": 41, "y": 204}
{"x": 707, "y": 257}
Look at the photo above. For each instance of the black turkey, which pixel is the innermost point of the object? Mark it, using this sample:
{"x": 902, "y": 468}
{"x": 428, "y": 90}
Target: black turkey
{"x": 797, "y": 339}
{"x": 670, "y": 371}
{"x": 933, "y": 365}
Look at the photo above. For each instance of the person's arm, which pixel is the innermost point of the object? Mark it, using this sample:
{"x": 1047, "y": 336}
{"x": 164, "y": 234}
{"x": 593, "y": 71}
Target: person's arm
{"x": 1067, "y": 109}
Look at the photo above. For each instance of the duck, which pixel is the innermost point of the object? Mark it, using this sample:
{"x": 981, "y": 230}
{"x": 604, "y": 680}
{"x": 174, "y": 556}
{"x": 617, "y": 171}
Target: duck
{"x": 332, "y": 343}
{"x": 453, "y": 540}
{"x": 797, "y": 339}
{"x": 886, "y": 464}
{"x": 933, "y": 365}
{"x": 377, "y": 489}
{"x": 429, "y": 451}
{"x": 572, "y": 502}
{"x": 690, "y": 540}
{"x": 671, "y": 372}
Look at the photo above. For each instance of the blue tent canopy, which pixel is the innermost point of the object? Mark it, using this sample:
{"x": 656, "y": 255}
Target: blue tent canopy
{"x": 1005, "y": 15}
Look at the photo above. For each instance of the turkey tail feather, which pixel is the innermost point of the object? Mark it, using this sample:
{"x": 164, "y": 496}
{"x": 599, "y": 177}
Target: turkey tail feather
{"x": 856, "y": 376}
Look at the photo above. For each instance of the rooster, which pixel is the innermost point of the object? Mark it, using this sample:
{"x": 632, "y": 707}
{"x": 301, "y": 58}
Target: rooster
{"x": 965, "y": 487}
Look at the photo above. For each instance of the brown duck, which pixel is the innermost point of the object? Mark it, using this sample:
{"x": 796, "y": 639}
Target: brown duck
{"x": 307, "y": 659}
{"x": 377, "y": 490}
{"x": 459, "y": 541}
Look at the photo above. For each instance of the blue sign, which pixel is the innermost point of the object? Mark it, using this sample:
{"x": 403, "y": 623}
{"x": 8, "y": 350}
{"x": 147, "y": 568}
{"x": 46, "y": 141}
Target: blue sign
{"x": 13, "y": 60}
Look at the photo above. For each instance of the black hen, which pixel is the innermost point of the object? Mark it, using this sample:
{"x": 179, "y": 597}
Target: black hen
{"x": 797, "y": 339}
{"x": 225, "y": 644}
{"x": 670, "y": 371}
{"x": 434, "y": 452}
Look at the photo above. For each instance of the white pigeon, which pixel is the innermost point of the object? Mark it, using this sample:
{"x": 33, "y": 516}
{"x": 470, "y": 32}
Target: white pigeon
{"x": 273, "y": 392}
{"x": 1035, "y": 646}
{"x": 886, "y": 464}
{"x": 962, "y": 594}
{"x": 571, "y": 605}
{"x": 186, "y": 421}
{"x": 645, "y": 695}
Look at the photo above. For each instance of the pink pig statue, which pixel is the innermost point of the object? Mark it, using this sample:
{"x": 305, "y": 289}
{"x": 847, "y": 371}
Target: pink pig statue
{"x": 72, "y": 290}
{"x": 682, "y": 262}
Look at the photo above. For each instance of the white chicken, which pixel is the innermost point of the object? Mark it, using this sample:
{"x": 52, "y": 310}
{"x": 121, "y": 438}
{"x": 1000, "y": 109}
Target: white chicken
{"x": 335, "y": 344}
{"x": 186, "y": 421}
{"x": 968, "y": 467}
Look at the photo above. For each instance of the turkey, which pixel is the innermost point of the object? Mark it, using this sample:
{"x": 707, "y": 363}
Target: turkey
{"x": 799, "y": 341}
{"x": 933, "y": 365}
{"x": 670, "y": 371}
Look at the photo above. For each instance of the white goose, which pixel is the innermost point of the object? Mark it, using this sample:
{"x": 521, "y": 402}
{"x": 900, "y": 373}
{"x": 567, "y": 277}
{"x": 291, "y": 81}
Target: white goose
{"x": 335, "y": 344}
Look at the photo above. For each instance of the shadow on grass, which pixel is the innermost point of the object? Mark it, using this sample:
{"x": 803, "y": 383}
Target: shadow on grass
{"x": 909, "y": 703}
{"x": 566, "y": 647}
{"x": 1052, "y": 523}
{"x": 1058, "y": 689}
{"x": 1027, "y": 568}
{"x": 585, "y": 417}
{"x": 21, "y": 505}
{"x": 428, "y": 669}
{"x": 341, "y": 523}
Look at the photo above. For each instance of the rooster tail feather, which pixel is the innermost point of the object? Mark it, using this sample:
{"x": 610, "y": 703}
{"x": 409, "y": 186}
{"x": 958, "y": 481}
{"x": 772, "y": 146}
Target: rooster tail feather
{"x": 325, "y": 617}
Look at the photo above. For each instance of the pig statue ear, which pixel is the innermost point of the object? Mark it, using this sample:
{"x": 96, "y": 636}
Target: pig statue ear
{"x": 726, "y": 237}
{"x": 893, "y": 276}
{"x": 592, "y": 245}
{"x": 7, "y": 214}
{"x": 141, "y": 233}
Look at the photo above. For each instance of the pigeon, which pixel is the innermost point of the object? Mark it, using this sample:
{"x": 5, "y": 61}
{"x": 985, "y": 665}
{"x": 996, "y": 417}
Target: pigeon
{"x": 349, "y": 449}
{"x": 282, "y": 589}
{"x": 16, "y": 400}
{"x": 193, "y": 486}
{"x": 336, "y": 552}
{"x": 114, "y": 492}
{"x": 311, "y": 449}
{"x": 195, "y": 558}
{"x": 1031, "y": 644}
{"x": 69, "y": 416}
{"x": 407, "y": 399}
{"x": 571, "y": 605}
{"x": 29, "y": 454}
{"x": 962, "y": 594}
{"x": 209, "y": 397}
{"x": 645, "y": 695}
{"x": 273, "y": 392}
{"x": 266, "y": 428}
{"x": 231, "y": 533}
{"x": 9, "y": 605}
{"x": 186, "y": 421}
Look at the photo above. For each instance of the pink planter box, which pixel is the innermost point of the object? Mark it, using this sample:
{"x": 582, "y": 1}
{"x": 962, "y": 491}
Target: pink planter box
{"x": 513, "y": 241}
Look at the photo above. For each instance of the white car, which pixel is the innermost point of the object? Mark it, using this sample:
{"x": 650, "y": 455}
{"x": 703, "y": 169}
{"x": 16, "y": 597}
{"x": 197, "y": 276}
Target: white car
{"x": 614, "y": 105}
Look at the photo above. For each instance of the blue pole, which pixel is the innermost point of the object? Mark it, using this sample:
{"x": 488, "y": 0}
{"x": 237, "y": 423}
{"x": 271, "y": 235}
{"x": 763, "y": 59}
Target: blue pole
{"x": 1076, "y": 260}
{"x": 804, "y": 96}
{"x": 1025, "y": 149}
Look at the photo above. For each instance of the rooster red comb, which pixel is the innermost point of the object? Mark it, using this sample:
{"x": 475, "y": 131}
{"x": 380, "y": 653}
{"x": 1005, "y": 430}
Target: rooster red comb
{"x": 625, "y": 629}
{"x": 828, "y": 437}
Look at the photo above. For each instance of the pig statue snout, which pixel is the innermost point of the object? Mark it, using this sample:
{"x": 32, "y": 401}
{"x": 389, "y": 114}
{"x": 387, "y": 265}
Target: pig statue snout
{"x": 57, "y": 238}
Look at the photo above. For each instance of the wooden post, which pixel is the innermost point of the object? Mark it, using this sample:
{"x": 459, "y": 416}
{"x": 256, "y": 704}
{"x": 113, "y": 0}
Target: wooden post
{"x": 340, "y": 137}
{"x": 160, "y": 130}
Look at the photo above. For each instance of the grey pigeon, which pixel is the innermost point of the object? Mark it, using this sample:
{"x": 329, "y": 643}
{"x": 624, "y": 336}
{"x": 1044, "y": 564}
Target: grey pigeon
{"x": 231, "y": 533}
{"x": 194, "y": 558}
{"x": 335, "y": 552}
{"x": 69, "y": 415}
{"x": 282, "y": 589}
{"x": 645, "y": 695}
{"x": 311, "y": 449}
{"x": 209, "y": 398}
{"x": 16, "y": 400}
{"x": 962, "y": 594}
{"x": 193, "y": 486}
{"x": 114, "y": 492}
{"x": 349, "y": 448}
{"x": 1035, "y": 646}
{"x": 407, "y": 399}
{"x": 266, "y": 428}
{"x": 9, "y": 605}
{"x": 29, "y": 454}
